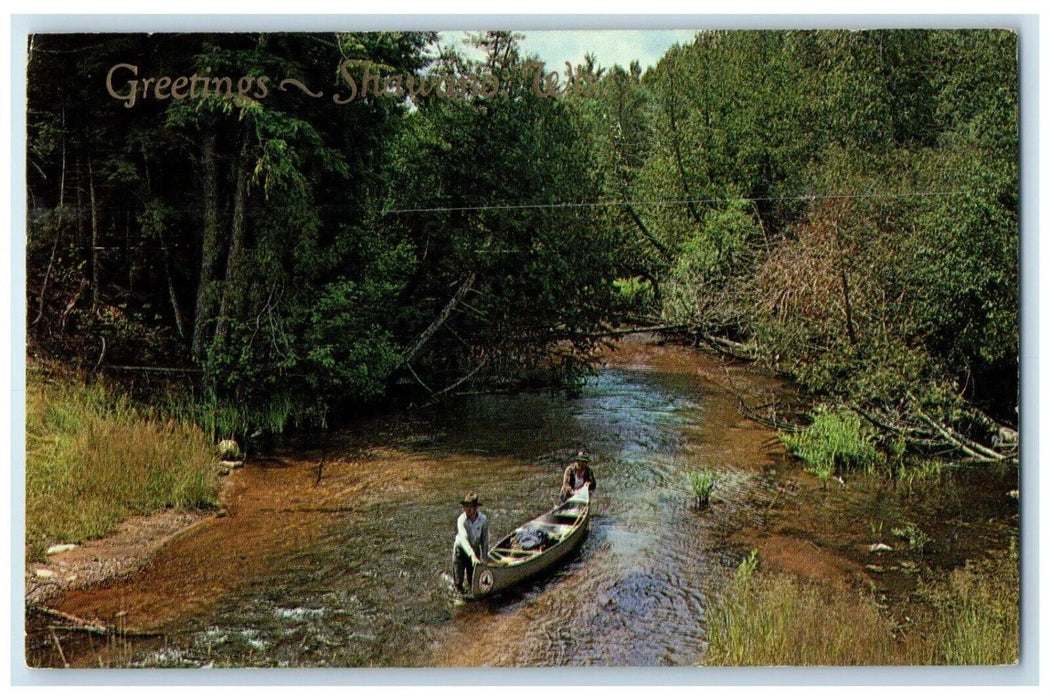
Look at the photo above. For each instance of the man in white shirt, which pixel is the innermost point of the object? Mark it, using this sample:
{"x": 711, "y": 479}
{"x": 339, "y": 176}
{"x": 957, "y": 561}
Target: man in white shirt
{"x": 472, "y": 542}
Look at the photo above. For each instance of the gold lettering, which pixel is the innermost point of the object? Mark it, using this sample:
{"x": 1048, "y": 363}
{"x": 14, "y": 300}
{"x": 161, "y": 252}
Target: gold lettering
{"x": 129, "y": 98}
{"x": 194, "y": 80}
{"x": 264, "y": 89}
{"x": 163, "y": 82}
{"x": 393, "y": 86}
{"x": 425, "y": 87}
{"x": 344, "y": 73}
{"x": 176, "y": 87}
{"x": 222, "y": 85}
{"x": 370, "y": 79}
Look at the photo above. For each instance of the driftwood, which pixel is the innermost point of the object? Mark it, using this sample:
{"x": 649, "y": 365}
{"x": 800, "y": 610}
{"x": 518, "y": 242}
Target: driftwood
{"x": 437, "y": 396}
{"x": 73, "y": 622}
{"x": 972, "y": 448}
{"x": 731, "y": 348}
{"x": 78, "y": 624}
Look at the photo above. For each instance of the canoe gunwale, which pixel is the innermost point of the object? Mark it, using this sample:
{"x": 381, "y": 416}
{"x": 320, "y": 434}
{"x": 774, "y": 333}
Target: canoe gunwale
{"x": 494, "y": 574}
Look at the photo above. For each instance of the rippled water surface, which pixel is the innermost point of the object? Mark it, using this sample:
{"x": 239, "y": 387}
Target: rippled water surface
{"x": 348, "y": 565}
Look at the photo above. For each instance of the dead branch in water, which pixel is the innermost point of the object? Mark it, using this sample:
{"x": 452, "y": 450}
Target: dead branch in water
{"x": 767, "y": 414}
{"x": 58, "y": 645}
{"x": 78, "y": 624}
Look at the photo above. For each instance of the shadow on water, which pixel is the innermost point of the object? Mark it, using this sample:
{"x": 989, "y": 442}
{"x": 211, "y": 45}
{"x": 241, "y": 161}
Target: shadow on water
{"x": 353, "y": 570}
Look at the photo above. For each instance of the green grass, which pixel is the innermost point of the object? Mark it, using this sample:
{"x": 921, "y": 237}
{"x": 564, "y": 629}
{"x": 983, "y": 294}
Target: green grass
{"x": 222, "y": 420}
{"x": 969, "y": 616}
{"x": 703, "y": 483}
{"x": 833, "y": 442}
{"x": 93, "y": 459}
{"x": 978, "y": 613}
{"x": 921, "y": 477}
{"x": 765, "y": 619}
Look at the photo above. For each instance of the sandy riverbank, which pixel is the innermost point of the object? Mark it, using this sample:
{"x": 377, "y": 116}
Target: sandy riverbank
{"x": 120, "y": 554}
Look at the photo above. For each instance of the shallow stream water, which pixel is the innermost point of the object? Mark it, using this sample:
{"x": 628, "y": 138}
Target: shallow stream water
{"x": 347, "y": 564}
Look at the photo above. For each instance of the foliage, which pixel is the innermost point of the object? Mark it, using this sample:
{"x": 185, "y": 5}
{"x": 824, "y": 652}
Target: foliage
{"x": 835, "y": 441}
{"x": 846, "y": 203}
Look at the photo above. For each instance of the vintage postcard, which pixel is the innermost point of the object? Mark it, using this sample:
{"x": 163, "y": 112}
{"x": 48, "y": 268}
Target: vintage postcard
{"x": 523, "y": 349}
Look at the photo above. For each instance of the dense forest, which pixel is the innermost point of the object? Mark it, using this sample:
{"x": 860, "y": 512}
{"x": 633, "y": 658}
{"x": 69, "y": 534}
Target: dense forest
{"x": 840, "y": 206}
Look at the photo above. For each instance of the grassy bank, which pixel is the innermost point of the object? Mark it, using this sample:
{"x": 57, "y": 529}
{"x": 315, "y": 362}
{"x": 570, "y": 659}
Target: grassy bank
{"x": 969, "y": 616}
{"x": 93, "y": 459}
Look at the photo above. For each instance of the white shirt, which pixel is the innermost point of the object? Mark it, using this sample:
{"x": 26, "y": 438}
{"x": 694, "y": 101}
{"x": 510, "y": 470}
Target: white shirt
{"x": 474, "y": 535}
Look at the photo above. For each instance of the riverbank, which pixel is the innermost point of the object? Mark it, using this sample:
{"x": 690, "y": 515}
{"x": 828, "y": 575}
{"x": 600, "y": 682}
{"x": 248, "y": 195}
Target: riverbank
{"x": 339, "y": 558}
{"x": 118, "y": 555}
{"x": 97, "y": 462}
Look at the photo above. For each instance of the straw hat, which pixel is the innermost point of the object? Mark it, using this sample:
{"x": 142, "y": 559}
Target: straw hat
{"x": 471, "y": 499}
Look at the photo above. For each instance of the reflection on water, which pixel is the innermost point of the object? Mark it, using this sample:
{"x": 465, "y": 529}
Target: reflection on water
{"x": 351, "y": 569}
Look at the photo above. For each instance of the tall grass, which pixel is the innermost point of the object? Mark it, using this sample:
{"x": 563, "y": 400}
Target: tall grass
{"x": 767, "y": 619}
{"x": 834, "y": 441}
{"x": 978, "y": 613}
{"x": 93, "y": 459}
{"x": 225, "y": 420}
{"x": 968, "y": 617}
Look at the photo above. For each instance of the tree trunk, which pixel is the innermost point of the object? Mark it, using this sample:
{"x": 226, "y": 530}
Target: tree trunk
{"x": 237, "y": 234}
{"x": 58, "y": 227}
{"x": 211, "y": 249}
{"x": 95, "y": 264}
{"x": 180, "y": 326}
{"x": 672, "y": 110}
{"x": 172, "y": 294}
{"x": 410, "y": 353}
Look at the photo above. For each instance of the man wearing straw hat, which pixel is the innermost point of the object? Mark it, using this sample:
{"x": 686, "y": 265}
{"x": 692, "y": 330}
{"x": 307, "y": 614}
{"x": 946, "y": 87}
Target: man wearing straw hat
{"x": 472, "y": 542}
{"x": 576, "y": 475}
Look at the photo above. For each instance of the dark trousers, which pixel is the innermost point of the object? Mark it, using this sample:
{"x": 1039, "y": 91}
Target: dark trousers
{"x": 462, "y": 568}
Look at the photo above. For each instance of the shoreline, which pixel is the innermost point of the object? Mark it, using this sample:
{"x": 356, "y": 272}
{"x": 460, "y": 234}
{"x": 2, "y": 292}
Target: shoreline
{"x": 120, "y": 554}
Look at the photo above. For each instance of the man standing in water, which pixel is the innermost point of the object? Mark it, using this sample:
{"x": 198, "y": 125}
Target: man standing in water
{"x": 576, "y": 475}
{"x": 472, "y": 542}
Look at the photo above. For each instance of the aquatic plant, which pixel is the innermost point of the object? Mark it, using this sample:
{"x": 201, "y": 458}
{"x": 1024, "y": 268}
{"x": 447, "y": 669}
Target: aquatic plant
{"x": 910, "y": 533}
{"x": 835, "y": 440}
{"x": 919, "y": 477}
{"x": 703, "y": 483}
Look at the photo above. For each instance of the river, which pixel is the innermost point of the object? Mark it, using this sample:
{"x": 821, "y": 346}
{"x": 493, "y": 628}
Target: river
{"x": 347, "y": 565}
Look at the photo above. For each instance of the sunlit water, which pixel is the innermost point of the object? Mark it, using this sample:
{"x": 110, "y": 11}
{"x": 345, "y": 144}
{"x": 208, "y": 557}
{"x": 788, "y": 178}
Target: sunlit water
{"x": 351, "y": 569}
